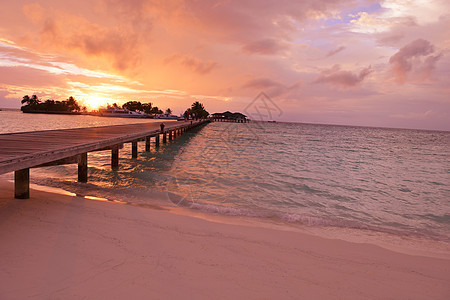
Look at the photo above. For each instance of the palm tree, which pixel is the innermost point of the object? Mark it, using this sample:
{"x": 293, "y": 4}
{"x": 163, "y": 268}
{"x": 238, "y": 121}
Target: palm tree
{"x": 168, "y": 111}
{"x": 72, "y": 104}
{"x": 25, "y": 99}
{"x": 30, "y": 101}
{"x": 198, "y": 110}
{"x": 147, "y": 107}
{"x": 197, "y": 106}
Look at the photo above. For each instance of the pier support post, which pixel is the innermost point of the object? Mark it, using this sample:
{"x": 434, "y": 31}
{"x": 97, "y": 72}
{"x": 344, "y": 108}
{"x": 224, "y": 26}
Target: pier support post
{"x": 134, "y": 149}
{"x": 115, "y": 158}
{"x": 83, "y": 168}
{"x": 22, "y": 184}
{"x": 170, "y": 135}
{"x": 164, "y": 137}
{"x": 147, "y": 143}
{"x": 157, "y": 140}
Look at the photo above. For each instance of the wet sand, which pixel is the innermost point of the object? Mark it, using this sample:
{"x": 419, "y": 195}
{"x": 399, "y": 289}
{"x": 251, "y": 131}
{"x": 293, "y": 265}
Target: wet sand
{"x": 56, "y": 246}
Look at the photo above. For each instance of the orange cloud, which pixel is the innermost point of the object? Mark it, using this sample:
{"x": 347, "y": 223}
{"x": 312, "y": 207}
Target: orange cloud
{"x": 61, "y": 31}
{"x": 192, "y": 63}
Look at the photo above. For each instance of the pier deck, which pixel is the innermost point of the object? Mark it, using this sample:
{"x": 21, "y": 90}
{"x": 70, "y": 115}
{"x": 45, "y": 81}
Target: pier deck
{"x": 21, "y": 151}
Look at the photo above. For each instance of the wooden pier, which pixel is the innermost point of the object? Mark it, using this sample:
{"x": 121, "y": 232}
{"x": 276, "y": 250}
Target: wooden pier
{"x": 21, "y": 151}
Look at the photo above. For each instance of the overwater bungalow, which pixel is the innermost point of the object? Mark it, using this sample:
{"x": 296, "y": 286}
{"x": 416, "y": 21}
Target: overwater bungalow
{"x": 230, "y": 117}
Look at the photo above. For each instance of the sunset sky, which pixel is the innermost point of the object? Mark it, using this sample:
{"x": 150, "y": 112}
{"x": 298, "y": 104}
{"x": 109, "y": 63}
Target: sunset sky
{"x": 373, "y": 63}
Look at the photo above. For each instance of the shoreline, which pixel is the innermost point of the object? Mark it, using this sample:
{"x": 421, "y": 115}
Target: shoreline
{"x": 61, "y": 246}
{"x": 406, "y": 244}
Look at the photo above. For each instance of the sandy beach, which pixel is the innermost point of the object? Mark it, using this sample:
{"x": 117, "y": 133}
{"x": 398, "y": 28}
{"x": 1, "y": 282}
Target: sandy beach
{"x": 55, "y": 246}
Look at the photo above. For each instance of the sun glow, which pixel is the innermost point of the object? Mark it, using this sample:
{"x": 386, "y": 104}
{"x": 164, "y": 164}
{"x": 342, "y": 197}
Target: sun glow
{"x": 94, "y": 102}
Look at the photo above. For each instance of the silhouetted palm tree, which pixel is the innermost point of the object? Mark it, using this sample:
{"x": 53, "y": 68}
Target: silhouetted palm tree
{"x": 30, "y": 101}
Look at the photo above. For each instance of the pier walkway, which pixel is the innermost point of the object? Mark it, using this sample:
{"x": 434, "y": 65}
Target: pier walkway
{"x": 21, "y": 151}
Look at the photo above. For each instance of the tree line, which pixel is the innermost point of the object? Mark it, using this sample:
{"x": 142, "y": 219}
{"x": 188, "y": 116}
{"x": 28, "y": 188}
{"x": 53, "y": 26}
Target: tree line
{"x": 34, "y": 104}
{"x": 197, "y": 110}
{"x": 142, "y": 107}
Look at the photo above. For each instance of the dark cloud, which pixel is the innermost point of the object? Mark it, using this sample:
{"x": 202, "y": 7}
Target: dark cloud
{"x": 409, "y": 60}
{"x": 343, "y": 78}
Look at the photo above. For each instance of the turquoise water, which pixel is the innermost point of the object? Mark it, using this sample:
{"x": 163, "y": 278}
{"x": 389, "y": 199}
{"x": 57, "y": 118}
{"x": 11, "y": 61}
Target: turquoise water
{"x": 383, "y": 180}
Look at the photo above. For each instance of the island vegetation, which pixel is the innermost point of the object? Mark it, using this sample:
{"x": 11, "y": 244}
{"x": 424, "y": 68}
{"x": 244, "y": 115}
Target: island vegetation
{"x": 197, "y": 111}
{"x": 142, "y": 107}
{"x": 34, "y": 104}
{"x": 70, "y": 106}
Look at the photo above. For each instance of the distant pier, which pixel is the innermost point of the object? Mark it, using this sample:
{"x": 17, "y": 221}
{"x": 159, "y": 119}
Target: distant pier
{"x": 21, "y": 151}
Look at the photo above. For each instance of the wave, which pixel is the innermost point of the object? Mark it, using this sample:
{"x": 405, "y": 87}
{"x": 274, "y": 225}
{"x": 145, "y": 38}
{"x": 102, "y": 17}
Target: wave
{"x": 306, "y": 220}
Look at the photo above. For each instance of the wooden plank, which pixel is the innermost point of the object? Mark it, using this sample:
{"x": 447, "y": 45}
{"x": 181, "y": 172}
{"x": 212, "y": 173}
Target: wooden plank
{"x": 29, "y": 149}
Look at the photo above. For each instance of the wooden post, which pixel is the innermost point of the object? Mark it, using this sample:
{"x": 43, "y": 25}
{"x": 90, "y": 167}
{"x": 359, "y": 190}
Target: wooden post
{"x": 164, "y": 137}
{"x": 170, "y": 135}
{"x": 22, "y": 184}
{"x": 83, "y": 168}
{"x": 147, "y": 143}
{"x": 157, "y": 140}
{"x": 115, "y": 158}
{"x": 134, "y": 149}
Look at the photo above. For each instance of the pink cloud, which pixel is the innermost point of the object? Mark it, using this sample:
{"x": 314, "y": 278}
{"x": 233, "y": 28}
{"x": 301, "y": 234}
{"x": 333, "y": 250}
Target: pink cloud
{"x": 192, "y": 63}
{"x": 338, "y": 77}
{"x": 266, "y": 46}
{"x": 335, "y": 51}
{"x": 408, "y": 60}
{"x": 271, "y": 87}
{"x": 246, "y": 20}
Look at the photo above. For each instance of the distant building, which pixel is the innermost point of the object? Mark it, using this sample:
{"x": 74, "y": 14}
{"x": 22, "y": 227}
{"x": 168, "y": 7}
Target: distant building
{"x": 230, "y": 117}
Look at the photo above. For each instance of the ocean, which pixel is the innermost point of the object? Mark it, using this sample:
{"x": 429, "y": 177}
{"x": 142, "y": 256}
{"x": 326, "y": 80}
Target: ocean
{"x": 372, "y": 180}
